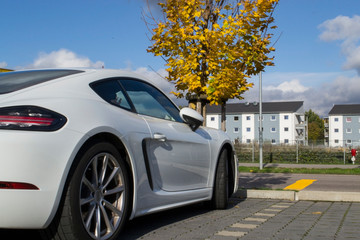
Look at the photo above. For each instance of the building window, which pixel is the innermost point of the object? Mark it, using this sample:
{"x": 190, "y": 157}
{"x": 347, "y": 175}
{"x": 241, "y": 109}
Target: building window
{"x": 336, "y": 119}
{"x": 236, "y": 130}
{"x": 286, "y": 129}
{"x": 248, "y": 140}
{"x": 212, "y": 119}
{"x": 336, "y": 130}
{"x": 248, "y": 129}
{"x": 348, "y": 119}
{"x": 273, "y": 129}
{"x": 348, "y": 141}
{"x": 286, "y": 117}
{"x": 348, "y": 130}
{"x": 248, "y": 118}
{"x": 286, "y": 140}
{"x": 273, "y": 141}
{"x": 336, "y": 140}
{"x": 273, "y": 118}
{"x": 236, "y": 118}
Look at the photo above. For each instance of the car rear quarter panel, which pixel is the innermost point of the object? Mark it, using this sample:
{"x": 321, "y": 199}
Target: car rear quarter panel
{"x": 44, "y": 158}
{"x": 38, "y": 158}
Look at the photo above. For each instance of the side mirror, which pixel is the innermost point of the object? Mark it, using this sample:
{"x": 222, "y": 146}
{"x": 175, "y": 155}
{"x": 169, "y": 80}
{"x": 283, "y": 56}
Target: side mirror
{"x": 191, "y": 117}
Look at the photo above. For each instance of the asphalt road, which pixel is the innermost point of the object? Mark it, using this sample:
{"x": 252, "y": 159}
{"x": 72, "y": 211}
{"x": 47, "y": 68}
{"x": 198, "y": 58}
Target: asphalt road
{"x": 324, "y": 182}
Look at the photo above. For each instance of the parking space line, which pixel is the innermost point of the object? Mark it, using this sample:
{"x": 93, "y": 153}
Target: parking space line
{"x": 300, "y": 184}
{"x": 280, "y": 206}
{"x": 251, "y": 219}
{"x": 272, "y": 210}
{"x": 231, "y": 234}
{"x": 265, "y": 214}
{"x": 245, "y": 226}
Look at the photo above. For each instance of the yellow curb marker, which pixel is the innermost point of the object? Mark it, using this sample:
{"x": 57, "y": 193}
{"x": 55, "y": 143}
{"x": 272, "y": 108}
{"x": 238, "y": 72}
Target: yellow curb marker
{"x": 300, "y": 184}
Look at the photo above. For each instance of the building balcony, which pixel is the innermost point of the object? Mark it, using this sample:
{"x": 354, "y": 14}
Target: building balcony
{"x": 301, "y": 125}
{"x": 300, "y": 137}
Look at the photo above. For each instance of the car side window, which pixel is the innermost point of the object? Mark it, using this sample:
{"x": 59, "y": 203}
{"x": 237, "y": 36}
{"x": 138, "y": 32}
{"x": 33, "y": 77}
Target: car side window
{"x": 150, "y": 101}
{"x": 111, "y": 91}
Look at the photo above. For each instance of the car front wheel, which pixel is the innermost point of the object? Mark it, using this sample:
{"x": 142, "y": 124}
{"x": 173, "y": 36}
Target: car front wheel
{"x": 97, "y": 197}
{"x": 220, "y": 197}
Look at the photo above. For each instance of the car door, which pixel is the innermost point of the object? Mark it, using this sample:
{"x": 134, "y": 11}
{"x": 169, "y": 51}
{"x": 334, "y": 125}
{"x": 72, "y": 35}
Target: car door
{"x": 178, "y": 158}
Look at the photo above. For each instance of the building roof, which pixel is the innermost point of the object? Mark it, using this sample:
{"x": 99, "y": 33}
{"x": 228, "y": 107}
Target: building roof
{"x": 345, "y": 109}
{"x": 267, "y": 107}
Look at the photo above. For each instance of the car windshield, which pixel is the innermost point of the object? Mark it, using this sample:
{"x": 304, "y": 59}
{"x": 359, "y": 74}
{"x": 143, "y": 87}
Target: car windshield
{"x": 14, "y": 81}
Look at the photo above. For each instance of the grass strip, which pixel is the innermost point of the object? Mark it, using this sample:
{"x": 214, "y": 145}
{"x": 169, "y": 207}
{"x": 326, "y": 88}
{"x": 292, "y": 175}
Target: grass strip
{"x": 352, "y": 171}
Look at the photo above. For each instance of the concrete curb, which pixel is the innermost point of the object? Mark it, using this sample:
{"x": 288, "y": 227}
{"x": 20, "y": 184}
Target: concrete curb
{"x": 301, "y": 195}
{"x": 329, "y": 196}
{"x": 268, "y": 194}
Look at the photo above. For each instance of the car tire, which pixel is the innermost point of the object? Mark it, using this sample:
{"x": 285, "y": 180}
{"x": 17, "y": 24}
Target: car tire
{"x": 220, "y": 197}
{"x": 97, "y": 197}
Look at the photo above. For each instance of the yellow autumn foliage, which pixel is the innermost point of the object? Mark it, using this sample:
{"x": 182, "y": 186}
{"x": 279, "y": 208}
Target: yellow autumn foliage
{"x": 213, "y": 47}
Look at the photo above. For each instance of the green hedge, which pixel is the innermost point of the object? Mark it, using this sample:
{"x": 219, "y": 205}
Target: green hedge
{"x": 306, "y": 155}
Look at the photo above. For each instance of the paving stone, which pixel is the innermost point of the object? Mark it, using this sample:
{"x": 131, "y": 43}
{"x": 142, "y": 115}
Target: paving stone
{"x": 253, "y": 219}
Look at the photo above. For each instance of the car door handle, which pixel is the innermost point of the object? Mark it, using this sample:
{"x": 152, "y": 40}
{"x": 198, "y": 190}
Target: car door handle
{"x": 159, "y": 137}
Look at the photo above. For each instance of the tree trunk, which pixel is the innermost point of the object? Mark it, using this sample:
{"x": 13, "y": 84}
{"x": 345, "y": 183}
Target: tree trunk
{"x": 199, "y": 104}
{"x": 223, "y": 116}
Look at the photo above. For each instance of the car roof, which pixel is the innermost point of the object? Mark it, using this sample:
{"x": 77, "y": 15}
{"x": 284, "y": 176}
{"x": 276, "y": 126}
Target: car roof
{"x": 18, "y": 80}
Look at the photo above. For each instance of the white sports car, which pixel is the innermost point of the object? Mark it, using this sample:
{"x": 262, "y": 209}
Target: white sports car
{"x": 82, "y": 151}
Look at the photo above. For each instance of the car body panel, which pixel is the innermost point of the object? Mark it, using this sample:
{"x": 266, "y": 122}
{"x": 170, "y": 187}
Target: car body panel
{"x": 179, "y": 158}
{"x": 31, "y": 164}
{"x": 161, "y": 178}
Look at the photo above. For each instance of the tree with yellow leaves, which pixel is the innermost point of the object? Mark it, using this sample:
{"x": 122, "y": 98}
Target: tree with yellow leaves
{"x": 212, "y": 47}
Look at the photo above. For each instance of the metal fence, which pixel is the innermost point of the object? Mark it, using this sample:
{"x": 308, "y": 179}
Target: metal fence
{"x": 311, "y": 153}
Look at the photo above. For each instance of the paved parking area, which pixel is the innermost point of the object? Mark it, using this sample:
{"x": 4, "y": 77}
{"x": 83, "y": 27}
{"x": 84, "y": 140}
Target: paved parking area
{"x": 245, "y": 219}
{"x": 252, "y": 219}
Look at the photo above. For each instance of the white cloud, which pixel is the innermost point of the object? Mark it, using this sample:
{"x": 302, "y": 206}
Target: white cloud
{"x": 292, "y": 86}
{"x": 63, "y": 58}
{"x": 321, "y": 98}
{"x": 331, "y": 88}
{"x": 341, "y": 28}
{"x": 353, "y": 59}
{"x": 152, "y": 8}
{"x": 347, "y": 30}
{"x": 3, "y": 64}
{"x": 158, "y": 79}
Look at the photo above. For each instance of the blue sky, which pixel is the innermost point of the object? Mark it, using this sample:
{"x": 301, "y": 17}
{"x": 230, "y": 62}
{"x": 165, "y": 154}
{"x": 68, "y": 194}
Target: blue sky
{"x": 315, "y": 57}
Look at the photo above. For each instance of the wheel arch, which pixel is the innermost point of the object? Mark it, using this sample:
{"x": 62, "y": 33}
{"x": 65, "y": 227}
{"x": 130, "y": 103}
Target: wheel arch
{"x": 99, "y": 137}
{"x": 51, "y": 227}
{"x": 118, "y": 144}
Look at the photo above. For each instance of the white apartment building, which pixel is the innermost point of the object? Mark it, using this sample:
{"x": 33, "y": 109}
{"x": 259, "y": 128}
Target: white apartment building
{"x": 283, "y": 122}
{"x": 344, "y": 125}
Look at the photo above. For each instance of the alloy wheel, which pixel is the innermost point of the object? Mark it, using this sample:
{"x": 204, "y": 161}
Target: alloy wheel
{"x": 102, "y": 196}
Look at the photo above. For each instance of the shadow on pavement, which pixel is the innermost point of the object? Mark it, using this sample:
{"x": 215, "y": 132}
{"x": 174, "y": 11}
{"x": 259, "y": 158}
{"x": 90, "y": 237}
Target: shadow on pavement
{"x": 141, "y": 226}
{"x": 17, "y": 234}
{"x": 262, "y": 181}
{"x": 136, "y": 228}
